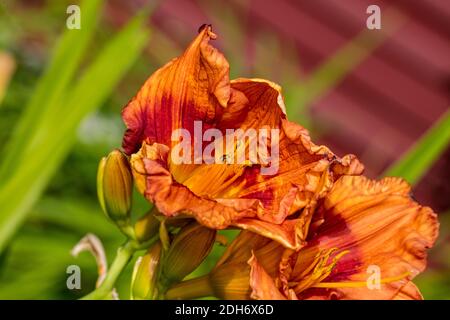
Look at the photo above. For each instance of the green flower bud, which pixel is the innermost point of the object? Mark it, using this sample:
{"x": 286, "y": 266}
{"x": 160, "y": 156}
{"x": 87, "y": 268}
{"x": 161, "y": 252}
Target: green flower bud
{"x": 146, "y": 227}
{"x": 188, "y": 249}
{"x": 115, "y": 187}
{"x": 145, "y": 274}
{"x": 231, "y": 281}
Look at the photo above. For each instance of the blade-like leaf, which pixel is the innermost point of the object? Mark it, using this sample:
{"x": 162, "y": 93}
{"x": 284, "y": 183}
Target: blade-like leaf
{"x": 52, "y": 85}
{"x": 421, "y": 156}
{"x": 24, "y": 187}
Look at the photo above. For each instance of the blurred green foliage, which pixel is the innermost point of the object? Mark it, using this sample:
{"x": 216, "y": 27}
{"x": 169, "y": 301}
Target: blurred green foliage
{"x": 415, "y": 162}
{"x": 42, "y": 137}
{"x": 61, "y": 114}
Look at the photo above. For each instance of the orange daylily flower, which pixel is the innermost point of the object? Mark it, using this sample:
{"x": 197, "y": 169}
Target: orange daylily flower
{"x": 361, "y": 227}
{"x": 196, "y": 87}
{"x": 368, "y": 240}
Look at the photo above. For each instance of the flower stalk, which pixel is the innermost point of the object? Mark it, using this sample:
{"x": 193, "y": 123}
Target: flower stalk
{"x": 123, "y": 257}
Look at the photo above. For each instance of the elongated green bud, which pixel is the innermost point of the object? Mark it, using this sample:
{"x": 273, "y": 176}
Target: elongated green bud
{"x": 100, "y": 172}
{"x": 145, "y": 274}
{"x": 115, "y": 187}
{"x": 188, "y": 249}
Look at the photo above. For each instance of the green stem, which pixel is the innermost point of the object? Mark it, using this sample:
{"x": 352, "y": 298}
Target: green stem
{"x": 124, "y": 255}
{"x": 190, "y": 289}
{"x": 128, "y": 231}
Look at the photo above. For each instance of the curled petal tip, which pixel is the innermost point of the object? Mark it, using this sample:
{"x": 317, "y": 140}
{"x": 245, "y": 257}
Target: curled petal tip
{"x": 203, "y": 27}
{"x": 207, "y": 28}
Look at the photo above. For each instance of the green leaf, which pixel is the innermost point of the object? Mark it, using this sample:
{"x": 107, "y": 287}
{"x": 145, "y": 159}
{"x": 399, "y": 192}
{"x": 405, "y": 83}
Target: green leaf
{"x": 78, "y": 215}
{"x": 42, "y": 160}
{"x": 52, "y": 86}
{"x": 421, "y": 156}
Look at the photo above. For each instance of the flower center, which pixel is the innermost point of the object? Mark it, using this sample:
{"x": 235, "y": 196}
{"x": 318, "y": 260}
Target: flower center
{"x": 359, "y": 284}
{"x": 321, "y": 268}
{"x": 318, "y": 270}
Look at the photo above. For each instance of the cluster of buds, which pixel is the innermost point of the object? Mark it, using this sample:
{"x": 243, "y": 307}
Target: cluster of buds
{"x": 158, "y": 269}
{"x": 183, "y": 243}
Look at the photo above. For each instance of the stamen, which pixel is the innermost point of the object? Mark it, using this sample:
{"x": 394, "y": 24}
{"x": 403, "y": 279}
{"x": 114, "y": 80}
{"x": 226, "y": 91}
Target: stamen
{"x": 320, "y": 268}
{"x": 358, "y": 284}
{"x": 315, "y": 261}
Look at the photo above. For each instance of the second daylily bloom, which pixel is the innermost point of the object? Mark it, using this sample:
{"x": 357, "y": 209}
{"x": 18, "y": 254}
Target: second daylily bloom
{"x": 368, "y": 240}
{"x": 195, "y": 88}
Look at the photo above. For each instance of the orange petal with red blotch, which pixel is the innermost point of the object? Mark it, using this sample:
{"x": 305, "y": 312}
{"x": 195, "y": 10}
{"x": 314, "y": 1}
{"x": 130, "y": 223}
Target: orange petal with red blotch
{"x": 194, "y": 86}
{"x": 306, "y": 171}
{"x": 380, "y": 225}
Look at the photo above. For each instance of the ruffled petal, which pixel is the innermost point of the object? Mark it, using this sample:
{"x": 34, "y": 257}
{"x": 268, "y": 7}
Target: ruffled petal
{"x": 301, "y": 171}
{"x": 376, "y": 227}
{"x": 194, "y": 86}
{"x": 149, "y": 167}
{"x": 263, "y": 193}
{"x": 408, "y": 292}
